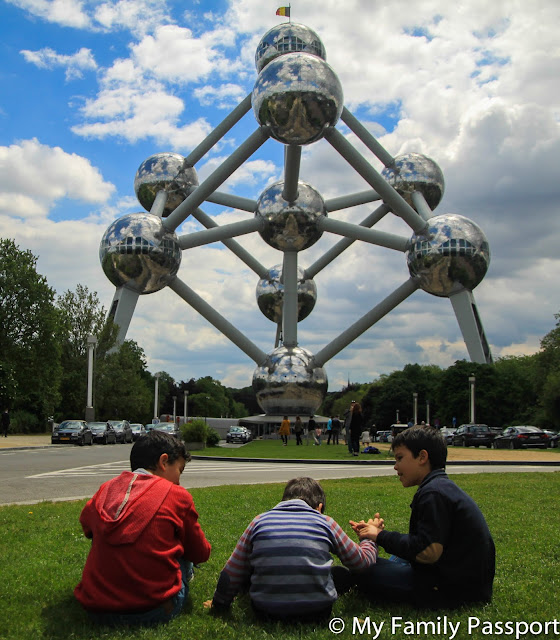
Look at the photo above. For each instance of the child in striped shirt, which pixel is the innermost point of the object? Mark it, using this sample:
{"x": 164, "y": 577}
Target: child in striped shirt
{"x": 284, "y": 558}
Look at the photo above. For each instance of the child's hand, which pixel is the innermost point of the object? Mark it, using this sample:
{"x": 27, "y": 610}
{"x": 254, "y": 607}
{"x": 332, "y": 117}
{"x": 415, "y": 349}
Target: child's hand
{"x": 370, "y": 529}
{"x": 207, "y": 604}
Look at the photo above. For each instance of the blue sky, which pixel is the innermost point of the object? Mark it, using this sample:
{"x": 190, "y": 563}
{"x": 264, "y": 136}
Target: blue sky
{"x": 91, "y": 89}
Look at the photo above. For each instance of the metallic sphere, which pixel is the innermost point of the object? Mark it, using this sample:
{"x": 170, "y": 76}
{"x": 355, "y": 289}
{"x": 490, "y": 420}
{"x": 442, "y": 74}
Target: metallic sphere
{"x": 451, "y": 255}
{"x": 415, "y": 172}
{"x": 289, "y": 382}
{"x": 287, "y": 37}
{"x": 297, "y": 96}
{"x": 164, "y": 172}
{"x": 270, "y": 294}
{"x": 139, "y": 252}
{"x": 291, "y": 226}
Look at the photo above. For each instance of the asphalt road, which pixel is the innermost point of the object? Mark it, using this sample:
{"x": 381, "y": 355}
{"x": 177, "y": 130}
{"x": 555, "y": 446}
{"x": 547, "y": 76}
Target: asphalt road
{"x": 65, "y": 473}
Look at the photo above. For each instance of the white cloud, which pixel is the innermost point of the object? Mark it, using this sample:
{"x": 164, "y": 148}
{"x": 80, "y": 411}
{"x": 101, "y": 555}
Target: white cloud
{"x": 75, "y": 64}
{"x": 67, "y": 13}
{"x": 33, "y": 177}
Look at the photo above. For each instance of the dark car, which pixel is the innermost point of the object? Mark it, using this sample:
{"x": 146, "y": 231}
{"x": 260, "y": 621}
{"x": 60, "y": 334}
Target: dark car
{"x": 138, "y": 430}
{"x": 553, "y": 437}
{"x": 473, "y": 435}
{"x": 521, "y": 438}
{"x": 123, "y": 430}
{"x": 238, "y": 434}
{"x": 72, "y": 432}
{"x": 168, "y": 427}
{"x": 103, "y": 432}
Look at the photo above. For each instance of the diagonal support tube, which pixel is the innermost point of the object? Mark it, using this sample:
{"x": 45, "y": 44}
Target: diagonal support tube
{"x": 352, "y": 200}
{"x": 370, "y": 175}
{"x": 365, "y": 136}
{"x": 217, "y": 320}
{"x": 199, "y": 238}
{"x": 215, "y": 179}
{"x": 366, "y": 321}
{"x": 219, "y": 132}
{"x": 343, "y": 244}
{"x": 357, "y": 232}
{"x": 242, "y": 253}
{"x": 421, "y": 205}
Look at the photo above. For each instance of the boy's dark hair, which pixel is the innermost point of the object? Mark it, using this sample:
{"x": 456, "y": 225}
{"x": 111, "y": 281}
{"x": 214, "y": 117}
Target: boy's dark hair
{"x": 417, "y": 438}
{"x": 305, "y": 489}
{"x": 147, "y": 450}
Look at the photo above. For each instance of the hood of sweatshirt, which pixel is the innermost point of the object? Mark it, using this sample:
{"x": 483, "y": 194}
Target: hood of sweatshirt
{"x": 127, "y": 504}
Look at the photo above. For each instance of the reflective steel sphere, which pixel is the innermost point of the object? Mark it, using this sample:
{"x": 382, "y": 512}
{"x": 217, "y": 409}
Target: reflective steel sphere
{"x": 291, "y": 226}
{"x": 297, "y": 97}
{"x": 137, "y": 251}
{"x": 287, "y": 38}
{"x": 451, "y": 255}
{"x": 288, "y": 382}
{"x": 164, "y": 171}
{"x": 415, "y": 172}
{"x": 270, "y": 295}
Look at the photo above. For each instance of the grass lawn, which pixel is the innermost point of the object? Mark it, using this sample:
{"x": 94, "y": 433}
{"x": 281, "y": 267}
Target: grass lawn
{"x": 275, "y": 449}
{"x": 42, "y": 552}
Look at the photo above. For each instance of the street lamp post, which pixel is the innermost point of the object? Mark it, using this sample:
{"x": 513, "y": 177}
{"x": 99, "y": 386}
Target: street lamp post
{"x": 472, "y": 384}
{"x": 90, "y": 411}
{"x": 185, "y": 414}
{"x": 156, "y": 396}
{"x": 415, "y": 407}
{"x": 427, "y": 412}
{"x": 207, "y": 407}
{"x": 397, "y": 415}
{"x": 174, "y": 409}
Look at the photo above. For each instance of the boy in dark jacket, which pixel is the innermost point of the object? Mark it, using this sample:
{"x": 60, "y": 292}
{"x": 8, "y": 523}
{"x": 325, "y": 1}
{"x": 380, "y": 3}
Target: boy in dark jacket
{"x": 145, "y": 538}
{"x": 447, "y": 559}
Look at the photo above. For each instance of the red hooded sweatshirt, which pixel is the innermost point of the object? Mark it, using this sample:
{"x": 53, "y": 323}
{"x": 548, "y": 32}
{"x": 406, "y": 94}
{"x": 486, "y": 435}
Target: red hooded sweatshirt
{"x": 141, "y": 525}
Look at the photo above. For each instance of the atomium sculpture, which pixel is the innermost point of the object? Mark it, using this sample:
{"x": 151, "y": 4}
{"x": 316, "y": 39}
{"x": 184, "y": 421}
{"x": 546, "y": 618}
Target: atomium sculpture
{"x": 297, "y": 99}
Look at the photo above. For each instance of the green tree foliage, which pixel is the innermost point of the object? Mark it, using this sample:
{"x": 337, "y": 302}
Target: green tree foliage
{"x": 548, "y": 377}
{"x": 121, "y": 388}
{"x": 81, "y": 316}
{"x": 29, "y": 335}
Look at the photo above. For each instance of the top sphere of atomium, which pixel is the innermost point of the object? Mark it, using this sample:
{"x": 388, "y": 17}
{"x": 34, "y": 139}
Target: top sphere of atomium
{"x": 139, "y": 252}
{"x": 287, "y": 37}
{"x": 270, "y": 294}
{"x": 291, "y": 226}
{"x": 452, "y": 254}
{"x": 164, "y": 172}
{"x": 297, "y": 96}
{"x": 415, "y": 172}
{"x": 289, "y": 382}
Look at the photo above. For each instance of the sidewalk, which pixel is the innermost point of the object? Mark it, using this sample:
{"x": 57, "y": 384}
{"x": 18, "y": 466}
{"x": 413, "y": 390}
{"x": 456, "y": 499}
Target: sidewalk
{"x": 24, "y": 442}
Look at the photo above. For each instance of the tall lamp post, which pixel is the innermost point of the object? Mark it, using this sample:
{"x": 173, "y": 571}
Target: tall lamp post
{"x": 174, "y": 409}
{"x": 90, "y": 411}
{"x": 185, "y": 413}
{"x": 415, "y": 407}
{"x": 427, "y": 412}
{"x": 156, "y": 397}
{"x": 472, "y": 384}
{"x": 207, "y": 408}
{"x": 397, "y": 416}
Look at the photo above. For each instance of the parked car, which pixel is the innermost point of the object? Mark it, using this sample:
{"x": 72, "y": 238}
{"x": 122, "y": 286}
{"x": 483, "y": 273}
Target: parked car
{"x": 168, "y": 427}
{"x": 72, "y": 432}
{"x": 138, "y": 430}
{"x": 382, "y": 436}
{"x": 123, "y": 430}
{"x": 238, "y": 434}
{"x": 521, "y": 437}
{"x": 447, "y": 434}
{"x": 553, "y": 437}
{"x": 473, "y": 435}
{"x": 103, "y": 432}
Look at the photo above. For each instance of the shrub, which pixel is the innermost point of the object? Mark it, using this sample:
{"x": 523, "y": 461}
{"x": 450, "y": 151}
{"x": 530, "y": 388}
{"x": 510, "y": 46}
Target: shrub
{"x": 22, "y": 421}
{"x": 212, "y": 438}
{"x": 195, "y": 431}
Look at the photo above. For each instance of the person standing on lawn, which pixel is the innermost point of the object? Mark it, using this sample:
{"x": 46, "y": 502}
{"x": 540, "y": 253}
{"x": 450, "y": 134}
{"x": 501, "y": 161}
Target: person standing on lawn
{"x": 145, "y": 538}
{"x": 285, "y": 430}
{"x": 448, "y": 557}
{"x": 298, "y": 430}
{"x": 284, "y": 559}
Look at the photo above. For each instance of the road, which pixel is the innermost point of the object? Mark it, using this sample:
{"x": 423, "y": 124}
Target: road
{"x": 65, "y": 473}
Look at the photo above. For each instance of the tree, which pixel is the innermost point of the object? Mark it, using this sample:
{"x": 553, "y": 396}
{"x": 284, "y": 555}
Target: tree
{"x": 548, "y": 377}
{"x": 122, "y": 388}
{"x": 81, "y": 316}
{"x": 30, "y": 329}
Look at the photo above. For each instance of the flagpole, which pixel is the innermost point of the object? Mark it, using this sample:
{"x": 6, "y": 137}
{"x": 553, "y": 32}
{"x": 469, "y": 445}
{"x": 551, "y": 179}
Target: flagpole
{"x": 290, "y": 12}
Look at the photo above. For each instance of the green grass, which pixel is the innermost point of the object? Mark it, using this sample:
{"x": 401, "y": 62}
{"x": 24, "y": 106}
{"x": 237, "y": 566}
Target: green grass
{"x": 42, "y": 553}
{"x": 275, "y": 449}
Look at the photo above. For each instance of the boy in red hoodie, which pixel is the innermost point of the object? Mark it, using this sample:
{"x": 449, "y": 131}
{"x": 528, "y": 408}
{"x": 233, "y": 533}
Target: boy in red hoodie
{"x": 145, "y": 538}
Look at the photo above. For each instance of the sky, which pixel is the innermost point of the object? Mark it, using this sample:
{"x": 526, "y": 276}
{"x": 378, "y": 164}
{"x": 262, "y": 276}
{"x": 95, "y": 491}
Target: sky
{"x": 90, "y": 89}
